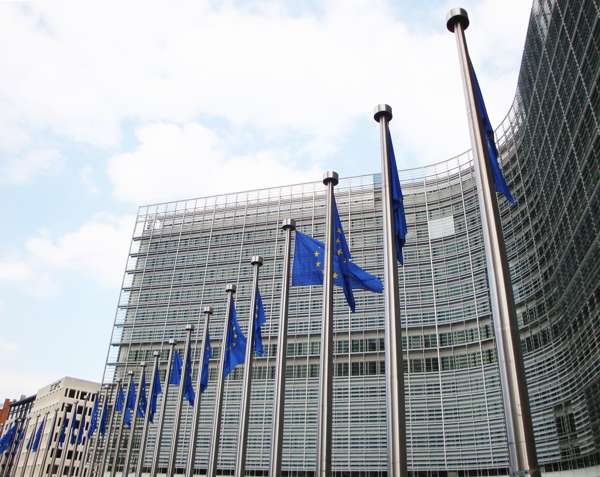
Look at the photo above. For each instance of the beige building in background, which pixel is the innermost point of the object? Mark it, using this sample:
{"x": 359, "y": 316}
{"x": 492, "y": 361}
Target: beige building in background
{"x": 65, "y": 399}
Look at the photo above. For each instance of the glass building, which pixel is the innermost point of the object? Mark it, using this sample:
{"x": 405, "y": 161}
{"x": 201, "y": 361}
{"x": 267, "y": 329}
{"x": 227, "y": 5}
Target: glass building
{"x": 183, "y": 253}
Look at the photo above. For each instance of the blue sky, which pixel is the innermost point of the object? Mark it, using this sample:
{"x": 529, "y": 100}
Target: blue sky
{"x": 112, "y": 105}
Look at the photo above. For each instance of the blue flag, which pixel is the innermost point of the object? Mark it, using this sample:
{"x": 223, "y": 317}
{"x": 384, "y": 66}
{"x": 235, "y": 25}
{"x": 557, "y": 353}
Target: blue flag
{"x": 74, "y": 424}
{"x": 38, "y": 436}
{"x": 400, "y": 227}
{"x": 62, "y": 433}
{"x": 188, "y": 389}
{"x": 7, "y": 439}
{"x": 175, "y": 377}
{"x": 235, "y": 342}
{"x": 308, "y": 264}
{"x": 490, "y": 143}
{"x": 103, "y": 420}
{"x": 94, "y": 418}
{"x": 130, "y": 404}
{"x": 143, "y": 402}
{"x": 204, "y": 372}
{"x": 154, "y": 392}
{"x": 81, "y": 431}
{"x": 120, "y": 399}
{"x": 259, "y": 320}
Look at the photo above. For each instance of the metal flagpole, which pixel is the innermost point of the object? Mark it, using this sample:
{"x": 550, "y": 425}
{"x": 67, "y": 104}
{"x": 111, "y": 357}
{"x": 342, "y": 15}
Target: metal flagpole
{"x": 6, "y": 465}
{"x": 15, "y": 462}
{"x": 37, "y": 452}
{"x": 28, "y": 447}
{"x": 76, "y": 445}
{"x": 522, "y": 452}
{"x": 240, "y": 463}
{"x": 325, "y": 426}
{"x": 213, "y": 455}
{"x": 189, "y": 471}
{"x": 143, "y": 439}
{"x": 113, "y": 469}
{"x": 45, "y": 457}
{"x": 104, "y": 395}
{"x": 111, "y": 419}
{"x": 279, "y": 399}
{"x": 133, "y": 422}
{"x": 163, "y": 409}
{"x": 53, "y": 460}
{"x": 65, "y": 449}
{"x": 86, "y": 447}
{"x": 177, "y": 422}
{"x": 394, "y": 367}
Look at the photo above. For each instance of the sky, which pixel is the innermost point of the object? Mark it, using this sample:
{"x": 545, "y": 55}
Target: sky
{"x": 106, "y": 106}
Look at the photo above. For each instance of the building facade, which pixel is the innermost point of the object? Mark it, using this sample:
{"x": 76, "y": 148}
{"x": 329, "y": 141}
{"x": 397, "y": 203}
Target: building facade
{"x": 18, "y": 414}
{"x": 4, "y": 414}
{"x": 183, "y": 253}
{"x": 65, "y": 400}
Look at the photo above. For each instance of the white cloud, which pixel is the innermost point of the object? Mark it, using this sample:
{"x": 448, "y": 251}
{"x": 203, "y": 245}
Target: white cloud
{"x": 38, "y": 161}
{"x": 174, "y": 162}
{"x": 254, "y": 66}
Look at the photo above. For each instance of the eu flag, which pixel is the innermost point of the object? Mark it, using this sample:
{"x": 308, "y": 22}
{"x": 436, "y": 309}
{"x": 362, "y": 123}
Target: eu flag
{"x": 175, "y": 377}
{"x": 74, "y": 424}
{"x": 308, "y": 264}
{"x": 130, "y": 404}
{"x": 103, "y": 420}
{"x": 38, "y": 436}
{"x": 188, "y": 389}
{"x": 235, "y": 342}
{"x": 94, "y": 418}
{"x": 154, "y": 392}
{"x": 62, "y": 433}
{"x": 120, "y": 399}
{"x": 7, "y": 439}
{"x": 259, "y": 320}
{"x": 80, "y": 432}
{"x": 400, "y": 227}
{"x": 143, "y": 402}
{"x": 490, "y": 143}
{"x": 204, "y": 372}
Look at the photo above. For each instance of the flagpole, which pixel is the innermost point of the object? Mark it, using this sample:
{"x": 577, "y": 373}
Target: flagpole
{"x": 240, "y": 465}
{"x": 325, "y": 425}
{"x": 88, "y": 439}
{"x": 109, "y": 431}
{"x": 394, "y": 372}
{"x": 133, "y": 421}
{"x": 213, "y": 455}
{"x": 65, "y": 450}
{"x": 189, "y": 471}
{"x": 163, "y": 409}
{"x": 15, "y": 462}
{"x": 13, "y": 450}
{"x": 288, "y": 225}
{"x": 37, "y": 452}
{"x": 104, "y": 395}
{"x": 177, "y": 422}
{"x": 144, "y": 437}
{"x": 521, "y": 443}
{"x": 30, "y": 442}
{"x": 113, "y": 469}
{"x": 53, "y": 460}
{"x": 77, "y": 444}
{"x": 43, "y": 463}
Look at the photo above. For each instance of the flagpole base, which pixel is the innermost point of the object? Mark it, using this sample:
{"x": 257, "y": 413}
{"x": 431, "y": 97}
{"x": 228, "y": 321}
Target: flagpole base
{"x": 457, "y": 15}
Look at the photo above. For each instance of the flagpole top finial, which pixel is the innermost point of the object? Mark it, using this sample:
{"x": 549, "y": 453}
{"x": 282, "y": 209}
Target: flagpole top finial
{"x": 189, "y": 327}
{"x": 130, "y": 373}
{"x": 382, "y": 110}
{"x": 331, "y": 176}
{"x": 230, "y": 287}
{"x": 143, "y": 364}
{"x": 172, "y": 342}
{"x": 457, "y": 15}
{"x": 156, "y": 354}
{"x": 288, "y": 224}
{"x": 256, "y": 260}
{"x": 207, "y": 310}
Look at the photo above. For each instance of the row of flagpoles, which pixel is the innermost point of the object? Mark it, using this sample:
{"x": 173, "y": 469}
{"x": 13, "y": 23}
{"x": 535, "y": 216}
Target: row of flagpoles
{"x": 329, "y": 264}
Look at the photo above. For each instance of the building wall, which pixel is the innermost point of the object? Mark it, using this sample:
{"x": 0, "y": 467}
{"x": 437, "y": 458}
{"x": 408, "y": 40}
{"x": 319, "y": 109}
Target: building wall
{"x": 183, "y": 253}
{"x": 18, "y": 413}
{"x": 4, "y": 414}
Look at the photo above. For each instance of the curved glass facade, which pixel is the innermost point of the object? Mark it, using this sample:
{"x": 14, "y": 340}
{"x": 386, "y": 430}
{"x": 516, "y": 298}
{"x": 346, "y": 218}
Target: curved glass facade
{"x": 183, "y": 253}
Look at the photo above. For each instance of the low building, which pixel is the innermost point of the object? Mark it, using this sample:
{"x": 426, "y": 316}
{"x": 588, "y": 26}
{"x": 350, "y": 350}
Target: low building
{"x": 4, "y": 414}
{"x": 69, "y": 401}
{"x": 18, "y": 412}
